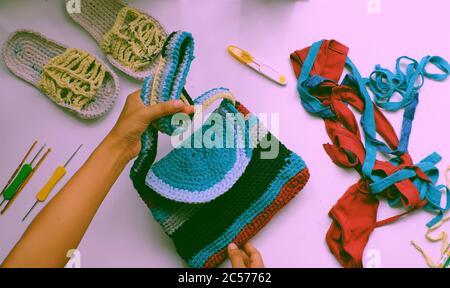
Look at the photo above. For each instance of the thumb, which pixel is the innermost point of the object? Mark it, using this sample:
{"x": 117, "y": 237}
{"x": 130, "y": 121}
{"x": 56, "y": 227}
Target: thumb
{"x": 160, "y": 110}
{"x": 236, "y": 257}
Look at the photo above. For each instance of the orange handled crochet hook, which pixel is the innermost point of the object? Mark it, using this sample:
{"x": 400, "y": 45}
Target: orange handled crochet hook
{"x": 59, "y": 173}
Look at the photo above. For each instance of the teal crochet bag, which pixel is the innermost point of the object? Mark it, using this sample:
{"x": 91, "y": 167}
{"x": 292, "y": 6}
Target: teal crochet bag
{"x": 207, "y": 196}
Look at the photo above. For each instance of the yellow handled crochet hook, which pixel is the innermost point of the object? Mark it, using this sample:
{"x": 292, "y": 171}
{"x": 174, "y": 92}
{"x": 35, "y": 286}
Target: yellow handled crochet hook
{"x": 247, "y": 59}
{"x": 59, "y": 173}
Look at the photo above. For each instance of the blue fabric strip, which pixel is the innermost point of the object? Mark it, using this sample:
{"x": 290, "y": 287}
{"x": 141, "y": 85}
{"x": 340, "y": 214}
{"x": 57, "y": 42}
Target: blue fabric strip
{"x": 309, "y": 102}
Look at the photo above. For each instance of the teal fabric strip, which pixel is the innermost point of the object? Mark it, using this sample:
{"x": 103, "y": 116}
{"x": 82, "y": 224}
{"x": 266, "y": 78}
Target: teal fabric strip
{"x": 384, "y": 84}
{"x": 367, "y": 122}
{"x": 309, "y": 102}
{"x": 426, "y": 165}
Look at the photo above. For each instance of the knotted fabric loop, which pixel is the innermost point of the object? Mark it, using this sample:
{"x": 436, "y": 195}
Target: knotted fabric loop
{"x": 384, "y": 84}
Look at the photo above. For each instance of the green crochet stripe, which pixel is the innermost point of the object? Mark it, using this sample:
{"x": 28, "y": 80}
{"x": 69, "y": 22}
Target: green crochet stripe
{"x": 73, "y": 78}
{"x": 134, "y": 40}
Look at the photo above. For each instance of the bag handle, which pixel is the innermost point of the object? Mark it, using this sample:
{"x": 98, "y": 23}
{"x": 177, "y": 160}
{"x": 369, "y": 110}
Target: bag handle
{"x": 168, "y": 84}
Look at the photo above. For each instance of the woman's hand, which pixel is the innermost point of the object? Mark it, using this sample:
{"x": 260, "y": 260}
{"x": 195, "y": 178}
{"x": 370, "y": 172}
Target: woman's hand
{"x": 248, "y": 257}
{"x": 136, "y": 117}
{"x": 61, "y": 224}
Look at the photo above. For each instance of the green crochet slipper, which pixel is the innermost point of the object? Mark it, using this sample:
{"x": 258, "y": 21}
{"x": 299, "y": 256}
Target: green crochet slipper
{"x": 71, "y": 78}
{"x": 130, "y": 39}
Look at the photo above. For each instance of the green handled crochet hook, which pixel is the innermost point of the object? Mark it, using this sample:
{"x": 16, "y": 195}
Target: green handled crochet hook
{"x": 18, "y": 167}
{"x": 35, "y": 168}
{"x": 26, "y": 169}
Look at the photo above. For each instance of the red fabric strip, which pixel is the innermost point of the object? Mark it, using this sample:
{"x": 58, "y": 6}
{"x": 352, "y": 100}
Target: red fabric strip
{"x": 355, "y": 213}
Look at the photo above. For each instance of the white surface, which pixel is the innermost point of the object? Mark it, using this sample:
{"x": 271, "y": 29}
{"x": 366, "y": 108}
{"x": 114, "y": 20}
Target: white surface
{"x": 123, "y": 233}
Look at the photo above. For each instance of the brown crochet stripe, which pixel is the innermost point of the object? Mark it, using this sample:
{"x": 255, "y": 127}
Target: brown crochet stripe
{"x": 287, "y": 193}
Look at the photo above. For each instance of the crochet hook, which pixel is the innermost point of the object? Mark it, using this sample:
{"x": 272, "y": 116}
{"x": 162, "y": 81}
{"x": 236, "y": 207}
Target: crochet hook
{"x": 25, "y": 182}
{"x": 247, "y": 59}
{"x": 18, "y": 167}
{"x": 23, "y": 173}
{"x": 59, "y": 173}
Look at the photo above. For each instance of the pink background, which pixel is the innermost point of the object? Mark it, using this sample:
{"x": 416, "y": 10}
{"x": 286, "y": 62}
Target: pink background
{"x": 123, "y": 234}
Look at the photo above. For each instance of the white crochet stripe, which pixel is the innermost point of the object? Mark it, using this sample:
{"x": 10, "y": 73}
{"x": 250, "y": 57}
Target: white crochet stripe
{"x": 187, "y": 196}
{"x": 203, "y": 196}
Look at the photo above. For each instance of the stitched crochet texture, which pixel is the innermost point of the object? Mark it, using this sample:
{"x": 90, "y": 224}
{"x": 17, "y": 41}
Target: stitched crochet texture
{"x": 205, "y": 198}
{"x": 73, "y": 78}
{"x": 134, "y": 40}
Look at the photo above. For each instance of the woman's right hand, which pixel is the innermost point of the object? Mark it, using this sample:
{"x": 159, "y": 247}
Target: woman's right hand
{"x": 136, "y": 117}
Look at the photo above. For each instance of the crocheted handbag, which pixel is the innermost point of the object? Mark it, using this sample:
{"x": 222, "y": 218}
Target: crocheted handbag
{"x": 207, "y": 197}
{"x": 71, "y": 78}
{"x": 131, "y": 39}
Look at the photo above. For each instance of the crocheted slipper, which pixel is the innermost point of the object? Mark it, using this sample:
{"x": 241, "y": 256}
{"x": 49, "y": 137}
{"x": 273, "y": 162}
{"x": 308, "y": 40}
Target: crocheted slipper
{"x": 131, "y": 39}
{"x": 72, "y": 78}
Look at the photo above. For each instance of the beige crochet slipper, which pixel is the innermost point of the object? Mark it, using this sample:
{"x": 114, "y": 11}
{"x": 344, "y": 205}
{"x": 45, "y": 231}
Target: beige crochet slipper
{"x": 131, "y": 40}
{"x": 72, "y": 78}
